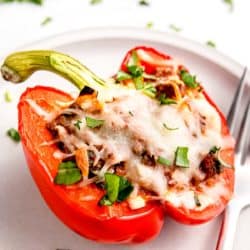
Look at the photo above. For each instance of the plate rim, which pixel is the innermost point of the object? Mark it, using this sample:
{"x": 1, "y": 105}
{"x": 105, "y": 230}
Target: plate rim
{"x": 211, "y": 54}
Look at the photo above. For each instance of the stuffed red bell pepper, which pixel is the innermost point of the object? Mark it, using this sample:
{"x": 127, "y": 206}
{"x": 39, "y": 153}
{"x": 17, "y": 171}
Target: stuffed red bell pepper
{"x": 109, "y": 161}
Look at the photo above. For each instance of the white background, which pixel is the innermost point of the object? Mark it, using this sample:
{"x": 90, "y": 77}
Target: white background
{"x": 200, "y": 20}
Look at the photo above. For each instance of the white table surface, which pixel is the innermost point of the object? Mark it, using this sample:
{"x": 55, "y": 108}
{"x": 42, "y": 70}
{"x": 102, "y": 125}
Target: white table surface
{"x": 201, "y": 20}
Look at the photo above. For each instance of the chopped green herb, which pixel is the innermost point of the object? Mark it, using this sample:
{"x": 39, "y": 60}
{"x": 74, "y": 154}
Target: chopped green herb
{"x": 93, "y": 123}
{"x": 105, "y": 201}
{"x": 93, "y": 2}
{"x": 166, "y": 101}
{"x": 168, "y": 128}
{"x": 196, "y": 200}
{"x": 46, "y": 21}
{"x": 230, "y": 4}
{"x": 135, "y": 70}
{"x": 68, "y": 174}
{"x": 125, "y": 189}
{"x": 139, "y": 84}
{"x": 175, "y": 28}
{"x": 7, "y": 96}
{"x": 131, "y": 113}
{"x": 112, "y": 183}
{"x": 121, "y": 75}
{"x": 214, "y": 149}
{"x": 38, "y": 2}
{"x": 13, "y": 134}
{"x": 144, "y": 3}
{"x": 181, "y": 157}
{"x": 150, "y": 25}
{"x": 211, "y": 44}
{"x": 118, "y": 189}
{"x": 133, "y": 60}
{"x": 163, "y": 161}
{"x": 188, "y": 79}
{"x": 78, "y": 124}
{"x": 149, "y": 90}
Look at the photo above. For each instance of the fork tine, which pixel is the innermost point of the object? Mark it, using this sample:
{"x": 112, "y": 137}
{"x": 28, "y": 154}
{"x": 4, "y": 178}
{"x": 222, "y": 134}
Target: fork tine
{"x": 235, "y": 106}
{"x": 244, "y": 139}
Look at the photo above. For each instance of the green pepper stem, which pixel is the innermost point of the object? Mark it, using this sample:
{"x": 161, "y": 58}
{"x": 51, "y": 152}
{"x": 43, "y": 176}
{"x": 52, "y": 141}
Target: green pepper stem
{"x": 19, "y": 66}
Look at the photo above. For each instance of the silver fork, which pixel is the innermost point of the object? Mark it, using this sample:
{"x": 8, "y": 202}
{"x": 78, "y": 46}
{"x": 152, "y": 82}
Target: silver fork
{"x": 240, "y": 129}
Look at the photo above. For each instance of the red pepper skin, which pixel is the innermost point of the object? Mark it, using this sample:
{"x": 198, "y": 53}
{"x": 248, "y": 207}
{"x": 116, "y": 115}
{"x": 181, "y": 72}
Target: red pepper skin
{"x": 158, "y": 59}
{"x": 77, "y": 206}
{"x": 182, "y": 214}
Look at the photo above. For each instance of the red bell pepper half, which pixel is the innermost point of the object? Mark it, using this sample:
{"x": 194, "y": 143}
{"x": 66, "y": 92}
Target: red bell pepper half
{"x": 76, "y": 205}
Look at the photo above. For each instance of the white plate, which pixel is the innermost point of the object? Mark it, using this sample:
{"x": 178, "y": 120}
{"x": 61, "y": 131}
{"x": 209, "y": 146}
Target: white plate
{"x": 26, "y": 223}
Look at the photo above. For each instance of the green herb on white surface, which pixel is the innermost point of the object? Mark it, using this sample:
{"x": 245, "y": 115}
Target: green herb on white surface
{"x": 175, "y": 28}
{"x": 46, "y": 21}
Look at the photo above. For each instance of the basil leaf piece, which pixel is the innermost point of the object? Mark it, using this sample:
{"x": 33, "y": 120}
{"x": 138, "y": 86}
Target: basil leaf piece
{"x": 68, "y": 174}
{"x": 131, "y": 113}
{"x": 13, "y": 134}
{"x": 163, "y": 161}
{"x": 188, "y": 79}
{"x": 112, "y": 183}
{"x": 93, "y": 123}
{"x": 181, "y": 157}
{"x": 121, "y": 75}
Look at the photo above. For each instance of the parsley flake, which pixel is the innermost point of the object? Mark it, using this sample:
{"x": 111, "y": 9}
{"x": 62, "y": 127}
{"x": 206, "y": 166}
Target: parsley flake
{"x": 38, "y": 2}
{"x": 175, "y": 28}
{"x": 93, "y": 123}
{"x": 188, "y": 79}
{"x": 68, "y": 173}
{"x": 181, "y": 157}
{"x": 230, "y": 3}
{"x": 149, "y": 25}
{"x": 78, "y": 124}
{"x": 211, "y": 44}
{"x": 93, "y": 2}
{"x": 168, "y": 128}
{"x": 46, "y": 21}
{"x": 144, "y": 3}
{"x": 165, "y": 100}
{"x": 13, "y": 134}
{"x": 117, "y": 188}
{"x": 163, "y": 161}
{"x": 121, "y": 76}
{"x": 7, "y": 96}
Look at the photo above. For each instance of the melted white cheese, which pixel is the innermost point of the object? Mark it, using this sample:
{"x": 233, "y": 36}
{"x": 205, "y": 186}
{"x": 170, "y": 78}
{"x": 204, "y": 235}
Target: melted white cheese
{"x": 134, "y": 121}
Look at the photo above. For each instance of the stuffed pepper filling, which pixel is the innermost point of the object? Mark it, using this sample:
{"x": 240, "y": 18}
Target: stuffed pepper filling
{"x": 150, "y": 137}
